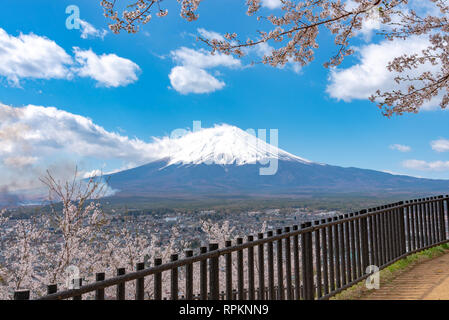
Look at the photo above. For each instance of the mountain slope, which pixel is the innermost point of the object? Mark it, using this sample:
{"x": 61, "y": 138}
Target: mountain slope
{"x": 225, "y": 161}
{"x": 291, "y": 178}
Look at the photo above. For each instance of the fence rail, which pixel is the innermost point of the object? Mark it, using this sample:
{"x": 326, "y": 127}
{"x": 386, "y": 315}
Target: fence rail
{"x": 315, "y": 260}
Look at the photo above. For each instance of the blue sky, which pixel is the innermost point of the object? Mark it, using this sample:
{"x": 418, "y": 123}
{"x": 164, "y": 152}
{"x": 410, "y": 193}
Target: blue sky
{"x": 320, "y": 116}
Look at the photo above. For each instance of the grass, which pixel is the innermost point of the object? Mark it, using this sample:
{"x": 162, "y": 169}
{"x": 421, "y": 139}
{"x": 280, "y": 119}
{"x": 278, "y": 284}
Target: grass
{"x": 391, "y": 272}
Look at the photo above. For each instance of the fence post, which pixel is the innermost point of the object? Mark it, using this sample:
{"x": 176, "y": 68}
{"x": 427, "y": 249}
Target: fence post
{"x": 426, "y": 221}
{"x": 336, "y": 241}
{"x": 426, "y": 213}
{"x": 434, "y": 210}
{"x": 352, "y": 246}
{"x": 347, "y": 248}
{"x": 140, "y": 293}
{"x": 52, "y": 288}
{"x": 376, "y": 240}
{"x": 436, "y": 215}
{"x": 288, "y": 265}
{"x": 296, "y": 264}
{"x": 446, "y": 218}
{"x": 22, "y": 295}
{"x": 365, "y": 243}
{"x": 415, "y": 226}
{"x": 174, "y": 279}
{"x": 307, "y": 256}
{"x": 420, "y": 223}
{"x": 397, "y": 232}
{"x": 319, "y": 288}
{"x": 437, "y": 219}
{"x": 388, "y": 225}
{"x": 189, "y": 276}
{"x": 331, "y": 255}
{"x": 381, "y": 236}
{"x": 441, "y": 219}
{"x": 402, "y": 217}
{"x": 272, "y": 294}
{"x": 408, "y": 218}
{"x": 77, "y": 284}
{"x": 358, "y": 245}
{"x": 261, "y": 263}
{"x": 99, "y": 293}
{"x": 250, "y": 252}
{"x": 325, "y": 259}
{"x": 240, "y": 274}
{"x": 343, "y": 243}
{"x": 157, "y": 281}
{"x": 280, "y": 266}
{"x": 229, "y": 272}
{"x": 433, "y": 220}
{"x": 120, "y": 290}
{"x": 214, "y": 284}
{"x": 203, "y": 275}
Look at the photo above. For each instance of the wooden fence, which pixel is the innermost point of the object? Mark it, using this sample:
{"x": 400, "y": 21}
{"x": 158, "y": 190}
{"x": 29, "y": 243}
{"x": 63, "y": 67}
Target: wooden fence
{"x": 315, "y": 260}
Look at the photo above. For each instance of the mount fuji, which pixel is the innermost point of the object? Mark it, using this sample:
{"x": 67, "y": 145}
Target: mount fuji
{"x": 225, "y": 161}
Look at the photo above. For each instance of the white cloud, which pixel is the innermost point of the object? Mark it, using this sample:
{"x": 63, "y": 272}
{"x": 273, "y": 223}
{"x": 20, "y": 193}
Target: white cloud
{"x": 363, "y": 79}
{"x": 36, "y": 57}
{"x": 31, "y": 56}
{"x": 271, "y": 4}
{"x": 368, "y": 25}
{"x": 93, "y": 173}
{"x": 374, "y": 22}
{"x": 440, "y": 145}
{"x": 425, "y": 165}
{"x": 190, "y": 76}
{"x": 34, "y": 138}
{"x": 88, "y": 30}
{"x": 193, "y": 80}
{"x": 203, "y": 59}
{"x": 400, "y": 147}
{"x": 19, "y": 162}
{"x": 264, "y": 49}
{"x": 36, "y": 131}
{"x": 210, "y": 35}
{"x": 296, "y": 67}
{"x": 425, "y": 8}
{"x": 397, "y": 173}
{"x": 109, "y": 70}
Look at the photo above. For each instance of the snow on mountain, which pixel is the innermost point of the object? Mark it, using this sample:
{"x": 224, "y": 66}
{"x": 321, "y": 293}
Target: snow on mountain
{"x": 222, "y": 144}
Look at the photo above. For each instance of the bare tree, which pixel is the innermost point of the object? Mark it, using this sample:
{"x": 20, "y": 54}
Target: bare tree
{"x": 294, "y": 32}
{"x": 75, "y": 234}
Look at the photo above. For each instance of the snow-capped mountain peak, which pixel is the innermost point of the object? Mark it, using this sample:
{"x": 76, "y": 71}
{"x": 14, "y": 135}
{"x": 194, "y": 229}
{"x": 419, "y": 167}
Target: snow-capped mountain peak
{"x": 222, "y": 144}
{"x": 178, "y": 171}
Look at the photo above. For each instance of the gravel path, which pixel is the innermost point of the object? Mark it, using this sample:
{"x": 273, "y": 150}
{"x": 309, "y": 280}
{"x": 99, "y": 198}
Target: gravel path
{"x": 428, "y": 280}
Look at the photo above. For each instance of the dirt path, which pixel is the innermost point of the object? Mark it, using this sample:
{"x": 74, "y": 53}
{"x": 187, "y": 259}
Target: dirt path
{"x": 426, "y": 281}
